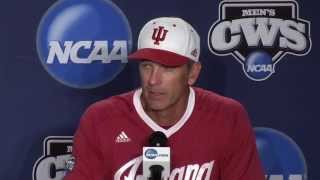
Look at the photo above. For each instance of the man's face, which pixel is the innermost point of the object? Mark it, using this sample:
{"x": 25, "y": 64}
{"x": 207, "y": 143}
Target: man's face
{"x": 164, "y": 87}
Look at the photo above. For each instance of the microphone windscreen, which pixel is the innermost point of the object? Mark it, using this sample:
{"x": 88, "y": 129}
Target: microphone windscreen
{"x": 158, "y": 139}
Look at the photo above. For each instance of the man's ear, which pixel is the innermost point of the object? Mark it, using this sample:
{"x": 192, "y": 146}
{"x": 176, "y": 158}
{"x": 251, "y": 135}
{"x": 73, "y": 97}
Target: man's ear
{"x": 194, "y": 73}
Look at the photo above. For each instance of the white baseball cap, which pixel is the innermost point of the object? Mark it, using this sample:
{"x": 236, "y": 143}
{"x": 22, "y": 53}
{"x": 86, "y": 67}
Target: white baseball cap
{"x": 169, "y": 41}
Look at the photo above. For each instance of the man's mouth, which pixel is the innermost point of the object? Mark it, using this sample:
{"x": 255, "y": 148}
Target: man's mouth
{"x": 156, "y": 94}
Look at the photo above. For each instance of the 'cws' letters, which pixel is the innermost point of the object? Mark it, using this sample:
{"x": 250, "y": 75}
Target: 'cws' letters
{"x": 258, "y": 34}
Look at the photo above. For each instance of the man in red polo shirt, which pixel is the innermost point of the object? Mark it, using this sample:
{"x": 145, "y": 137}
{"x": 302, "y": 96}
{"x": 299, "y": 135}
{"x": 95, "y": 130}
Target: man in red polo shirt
{"x": 210, "y": 136}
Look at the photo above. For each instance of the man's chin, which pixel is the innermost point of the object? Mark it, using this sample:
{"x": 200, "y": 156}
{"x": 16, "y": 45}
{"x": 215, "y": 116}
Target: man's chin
{"x": 154, "y": 103}
{"x": 152, "y": 106}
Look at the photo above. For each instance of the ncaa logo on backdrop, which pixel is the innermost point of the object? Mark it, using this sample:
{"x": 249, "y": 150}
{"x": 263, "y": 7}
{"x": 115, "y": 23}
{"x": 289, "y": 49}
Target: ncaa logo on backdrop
{"x": 259, "y": 34}
{"x": 84, "y": 44}
{"x": 281, "y": 157}
{"x": 56, "y": 160}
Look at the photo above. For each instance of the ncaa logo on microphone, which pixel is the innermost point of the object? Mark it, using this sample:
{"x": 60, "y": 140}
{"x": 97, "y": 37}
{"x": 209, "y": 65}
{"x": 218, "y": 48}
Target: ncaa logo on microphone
{"x": 281, "y": 157}
{"x": 84, "y": 44}
{"x": 151, "y": 153}
{"x": 259, "y": 34}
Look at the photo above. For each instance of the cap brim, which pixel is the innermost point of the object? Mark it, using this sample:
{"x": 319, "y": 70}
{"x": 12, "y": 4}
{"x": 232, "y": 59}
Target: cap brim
{"x": 163, "y": 57}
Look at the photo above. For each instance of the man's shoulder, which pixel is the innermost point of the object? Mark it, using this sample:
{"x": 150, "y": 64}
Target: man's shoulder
{"x": 228, "y": 112}
{"x": 210, "y": 98}
{"x": 114, "y": 102}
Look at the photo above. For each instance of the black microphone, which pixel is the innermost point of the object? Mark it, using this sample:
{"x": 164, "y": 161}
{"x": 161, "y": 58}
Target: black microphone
{"x": 158, "y": 139}
{"x": 156, "y": 172}
{"x": 156, "y": 157}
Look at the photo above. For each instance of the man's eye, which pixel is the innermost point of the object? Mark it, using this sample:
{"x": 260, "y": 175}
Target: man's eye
{"x": 145, "y": 65}
{"x": 169, "y": 69}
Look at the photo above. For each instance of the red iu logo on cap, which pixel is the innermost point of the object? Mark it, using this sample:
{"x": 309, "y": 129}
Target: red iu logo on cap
{"x": 159, "y": 34}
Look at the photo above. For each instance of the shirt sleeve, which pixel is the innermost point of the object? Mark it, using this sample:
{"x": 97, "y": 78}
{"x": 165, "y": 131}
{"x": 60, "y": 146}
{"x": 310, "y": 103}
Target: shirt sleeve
{"x": 89, "y": 162}
{"x": 242, "y": 159}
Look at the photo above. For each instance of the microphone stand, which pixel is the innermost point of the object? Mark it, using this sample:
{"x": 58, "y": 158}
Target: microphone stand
{"x": 156, "y": 172}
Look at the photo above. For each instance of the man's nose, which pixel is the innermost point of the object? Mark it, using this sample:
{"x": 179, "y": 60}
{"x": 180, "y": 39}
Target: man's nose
{"x": 155, "y": 76}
